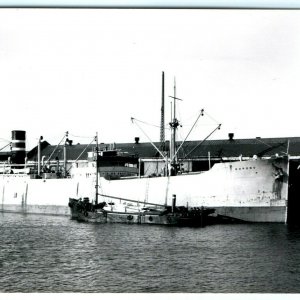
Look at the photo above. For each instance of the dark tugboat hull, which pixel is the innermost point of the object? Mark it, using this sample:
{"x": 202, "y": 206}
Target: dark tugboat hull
{"x": 85, "y": 212}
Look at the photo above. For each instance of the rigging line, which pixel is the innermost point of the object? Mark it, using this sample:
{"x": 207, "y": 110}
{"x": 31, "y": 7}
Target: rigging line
{"x": 190, "y": 124}
{"x": 201, "y": 114}
{"x": 83, "y": 137}
{"x": 146, "y": 123}
{"x": 183, "y": 149}
{"x": 56, "y": 148}
{"x": 130, "y": 200}
{"x": 82, "y": 153}
{"x": 132, "y": 120}
{"x": 263, "y": 143}
{"x": 145, "y": 172}
{"x": 178, "y": 110}
{"x": 273, "y": 145}
{"x": 166, "y": 128}
{"x": 218, "y": 127}
{"x": 212, "y": 118}
{"x": 192, "y": 116}
{"x": 5, "y": 146}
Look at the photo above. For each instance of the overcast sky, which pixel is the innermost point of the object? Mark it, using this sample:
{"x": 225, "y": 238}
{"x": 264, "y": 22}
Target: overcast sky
{"x": 91, "y": 70}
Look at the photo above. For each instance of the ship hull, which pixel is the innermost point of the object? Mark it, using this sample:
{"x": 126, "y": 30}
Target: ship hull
{"x": 242, "y": 190}
{"x": 260, "y": 214}
{"x": 42, "y": 196}
{"x": 177, "y": 218}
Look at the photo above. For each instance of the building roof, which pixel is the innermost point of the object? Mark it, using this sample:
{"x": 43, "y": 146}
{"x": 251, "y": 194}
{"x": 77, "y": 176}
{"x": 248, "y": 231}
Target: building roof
{"x": 190, "y": 149}
{"x": 245, "y": 147}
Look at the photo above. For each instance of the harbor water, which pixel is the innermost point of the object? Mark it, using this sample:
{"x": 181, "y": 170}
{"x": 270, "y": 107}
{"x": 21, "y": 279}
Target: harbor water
{"x": 55, "y": 254}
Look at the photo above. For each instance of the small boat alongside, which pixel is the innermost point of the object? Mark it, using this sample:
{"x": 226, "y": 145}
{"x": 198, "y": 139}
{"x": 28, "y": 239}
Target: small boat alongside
{"x": 127, "y": 213}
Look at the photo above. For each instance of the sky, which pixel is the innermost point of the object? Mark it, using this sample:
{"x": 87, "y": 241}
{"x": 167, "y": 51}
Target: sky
{"x": 91, "y": 70}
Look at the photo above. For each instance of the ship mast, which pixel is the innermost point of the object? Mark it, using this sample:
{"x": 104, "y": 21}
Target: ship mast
{"x": 162, "y": 121}
{"x": 174, "y": 124}
{"x": 96, "y": 186}
{"x": 65, "y": 154}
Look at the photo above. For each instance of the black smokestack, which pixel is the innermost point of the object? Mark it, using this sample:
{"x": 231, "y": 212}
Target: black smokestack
{"x": 18, "y": 146}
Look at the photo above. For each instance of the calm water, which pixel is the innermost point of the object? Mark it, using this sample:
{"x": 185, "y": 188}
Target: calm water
{"x": 55, "y": 254}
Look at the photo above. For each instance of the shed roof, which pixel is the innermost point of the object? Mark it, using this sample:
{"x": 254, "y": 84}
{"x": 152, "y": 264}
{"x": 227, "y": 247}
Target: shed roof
{"x": 190, "y": 149}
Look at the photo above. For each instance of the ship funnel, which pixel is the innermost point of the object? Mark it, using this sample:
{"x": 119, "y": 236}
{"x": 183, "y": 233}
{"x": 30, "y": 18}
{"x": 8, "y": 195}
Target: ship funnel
{"x": 18, "y": 146}
{"x": 230, "y": 136}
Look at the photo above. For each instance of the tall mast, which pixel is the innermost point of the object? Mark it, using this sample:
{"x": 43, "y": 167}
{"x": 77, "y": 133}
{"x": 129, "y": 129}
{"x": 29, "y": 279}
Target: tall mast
{"x": 162, "y": 121}
{"x": 174, "y": 98}
{"x": 96, "y": 186}
{"x": 174, "y": 127}
{"x": 65, "y": 154}
{"x": 174, "y": 124}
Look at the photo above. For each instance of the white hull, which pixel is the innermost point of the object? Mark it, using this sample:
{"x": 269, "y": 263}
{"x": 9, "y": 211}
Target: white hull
{"x": 244, "y": 190}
